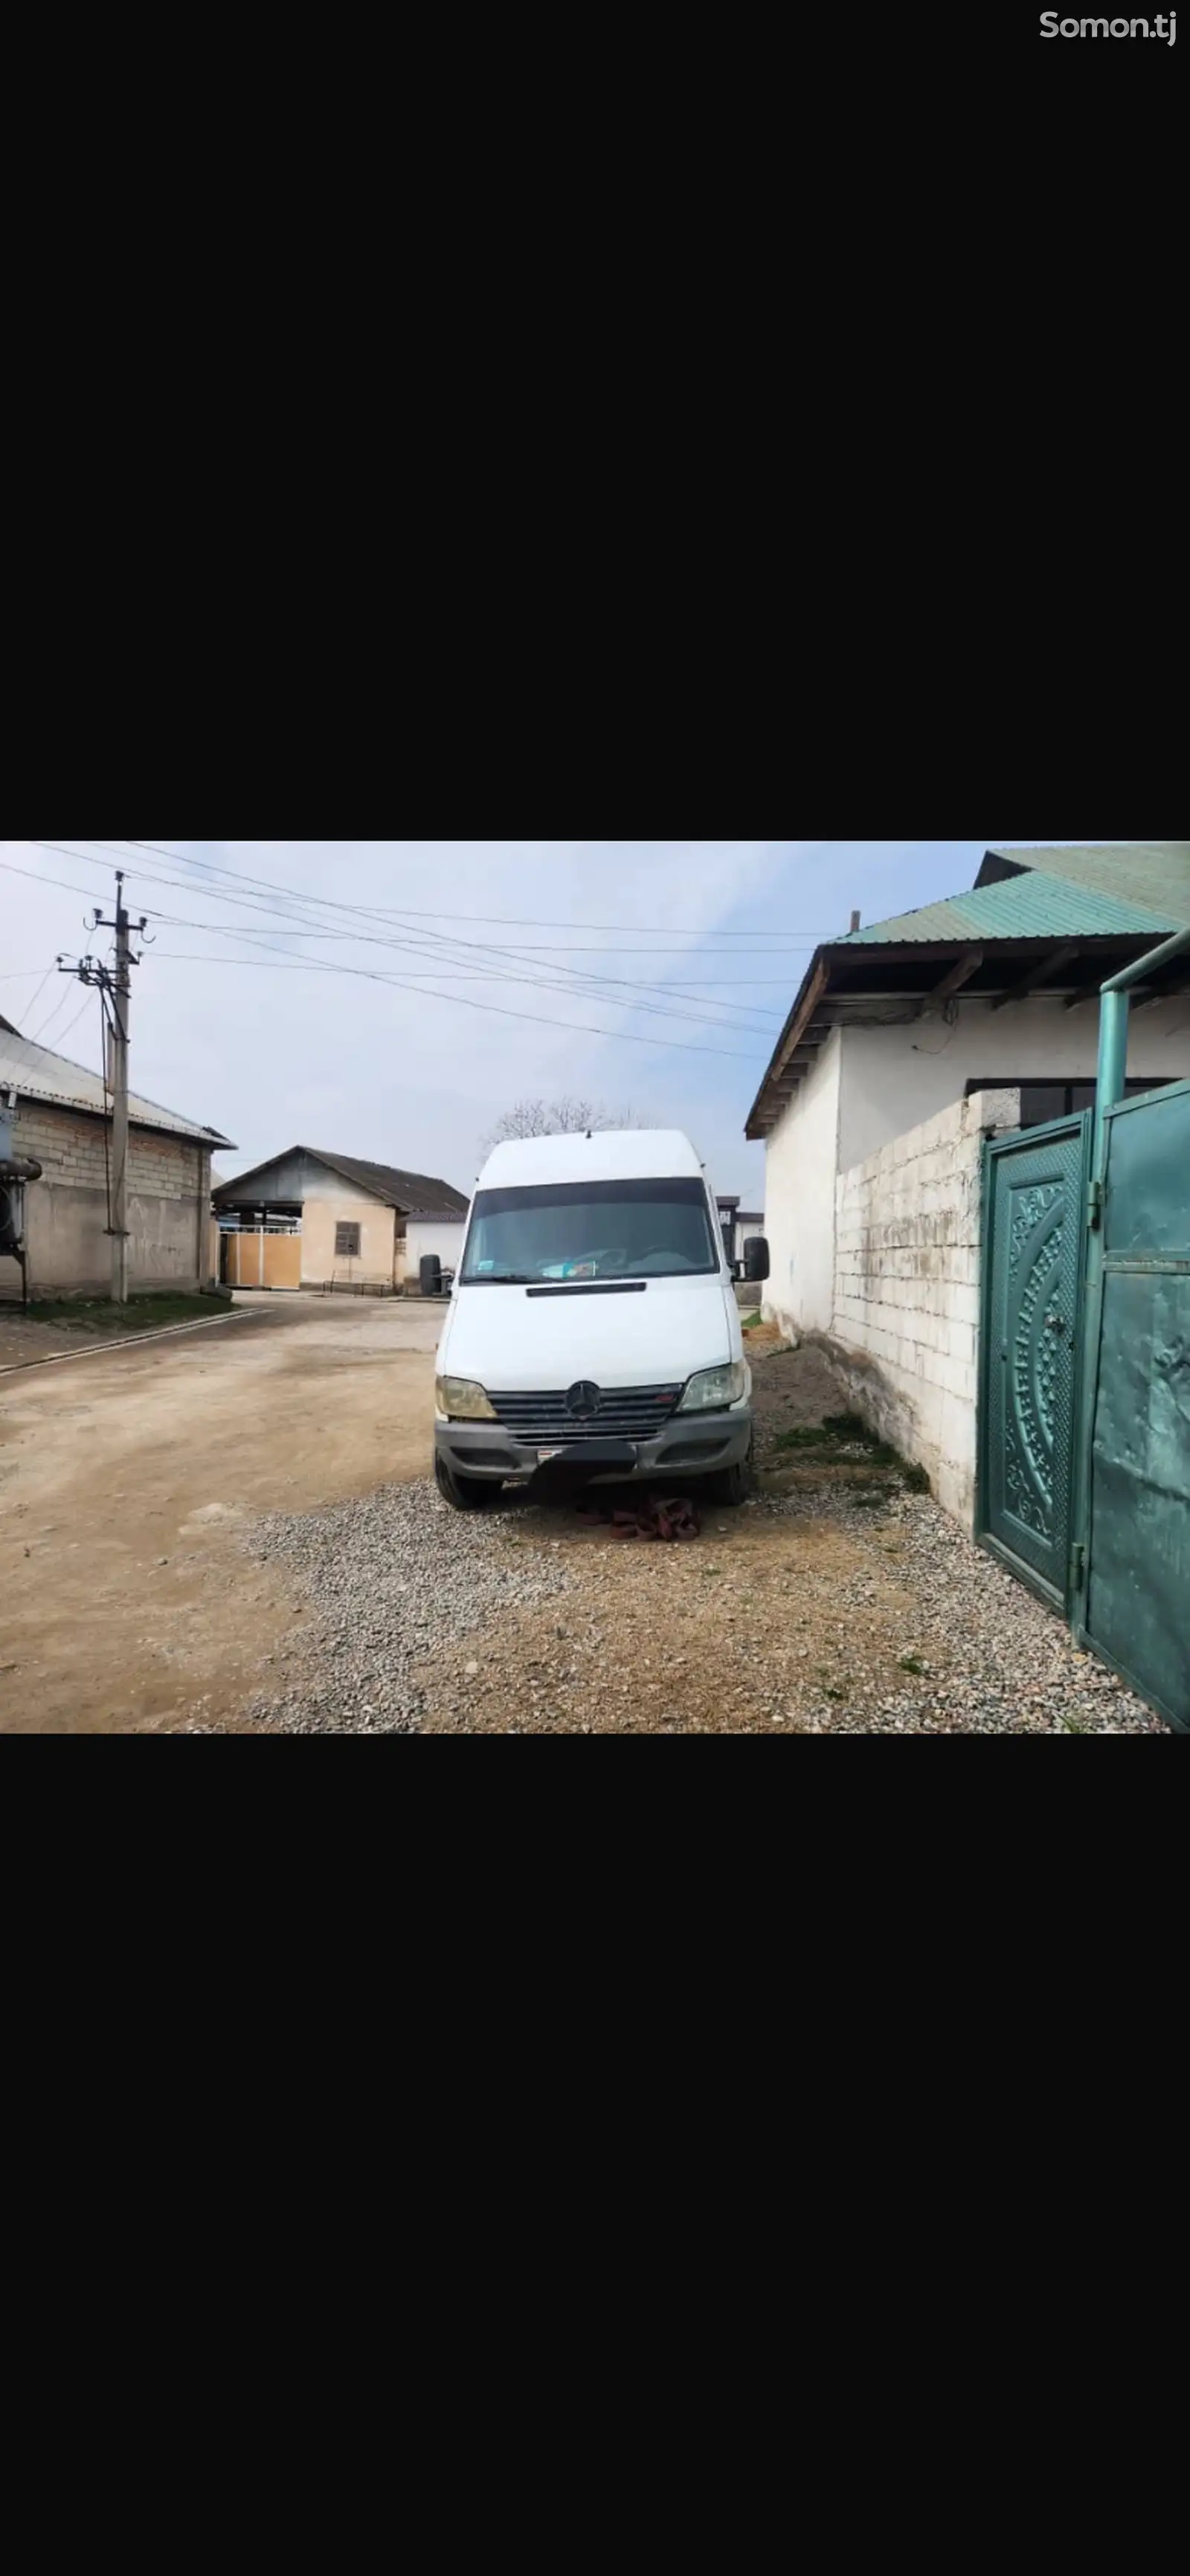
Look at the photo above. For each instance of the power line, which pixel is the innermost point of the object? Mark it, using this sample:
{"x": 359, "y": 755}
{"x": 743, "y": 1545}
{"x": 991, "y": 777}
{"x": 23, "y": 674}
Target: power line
{"x": 505, "y": 920}
{"x": 433, "y": 943}
{"x": 580, "y": 986}
{"x": 63, "y": 1034}
{"x": 462, "y": 1001}
{"x": 578, "y": 1028}
{"x": 758, "y": 1021}
{"x": 31, "y": 1005}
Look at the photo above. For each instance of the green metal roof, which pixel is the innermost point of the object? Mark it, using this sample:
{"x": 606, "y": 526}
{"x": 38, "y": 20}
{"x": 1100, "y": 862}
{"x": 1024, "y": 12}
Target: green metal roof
{"x": 1154, "y": 874}
{"x": 1036, "y": 906}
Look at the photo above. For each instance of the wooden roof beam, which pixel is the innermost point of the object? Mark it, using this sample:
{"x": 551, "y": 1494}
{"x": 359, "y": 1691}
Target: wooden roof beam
{"x": 952, "y": 982}
{"x": 787, "y": 1047}
{"x": 1044, "y": 972}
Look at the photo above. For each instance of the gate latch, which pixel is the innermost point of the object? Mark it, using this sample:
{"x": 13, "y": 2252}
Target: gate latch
{"x": 1078, "y": 1564}
{"x": 1095, "y": 1204}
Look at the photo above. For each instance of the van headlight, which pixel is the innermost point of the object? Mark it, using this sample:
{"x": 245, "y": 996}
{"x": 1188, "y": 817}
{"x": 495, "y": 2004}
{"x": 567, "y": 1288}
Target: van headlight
{"x": 713, "y": 1389}
{"x": 461, "y": 1399}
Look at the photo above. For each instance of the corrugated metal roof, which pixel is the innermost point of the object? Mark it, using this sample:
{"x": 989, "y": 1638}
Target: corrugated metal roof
{"x": 1036, "y": 906}
{"x": 35, "y": 1073}
{"x": 1155, "y": 874}
{"x": 410, "y": 1193}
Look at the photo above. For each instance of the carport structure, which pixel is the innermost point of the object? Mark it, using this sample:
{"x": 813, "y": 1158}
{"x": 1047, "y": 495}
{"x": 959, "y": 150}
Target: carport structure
{"x": 314, "y": 1220}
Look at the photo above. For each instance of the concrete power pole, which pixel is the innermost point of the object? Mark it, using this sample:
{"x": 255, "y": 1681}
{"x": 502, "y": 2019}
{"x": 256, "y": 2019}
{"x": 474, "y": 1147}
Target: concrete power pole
{"x": 121, "y": 995}
{"x": 115, "y": 984}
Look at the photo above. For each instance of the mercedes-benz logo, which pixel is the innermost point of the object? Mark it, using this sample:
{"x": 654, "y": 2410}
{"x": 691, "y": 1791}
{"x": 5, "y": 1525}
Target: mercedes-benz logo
{"x": 582, "y": 1401}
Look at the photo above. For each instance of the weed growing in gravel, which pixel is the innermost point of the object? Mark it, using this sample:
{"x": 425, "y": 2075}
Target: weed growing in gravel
{"x": 843, "y": 1440}
{"x": 911, "y": 1664}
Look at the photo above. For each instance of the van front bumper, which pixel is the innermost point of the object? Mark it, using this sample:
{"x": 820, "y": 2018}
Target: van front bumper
{"x": 691, "y": 1444}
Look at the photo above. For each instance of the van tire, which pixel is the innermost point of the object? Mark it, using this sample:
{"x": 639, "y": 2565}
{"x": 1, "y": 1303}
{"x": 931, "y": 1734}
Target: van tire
{"x": 465, "y": 1493}
{"x": 729, "y": 1485}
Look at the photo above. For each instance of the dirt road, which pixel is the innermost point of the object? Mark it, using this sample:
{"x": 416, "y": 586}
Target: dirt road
{"x": 139, "y": 1593}
{"x": 126, "y": 1476}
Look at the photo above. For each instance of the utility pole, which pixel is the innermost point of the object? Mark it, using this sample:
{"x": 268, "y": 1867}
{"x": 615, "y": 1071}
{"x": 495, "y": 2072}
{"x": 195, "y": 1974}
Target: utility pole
{"x": 115, "y": 985}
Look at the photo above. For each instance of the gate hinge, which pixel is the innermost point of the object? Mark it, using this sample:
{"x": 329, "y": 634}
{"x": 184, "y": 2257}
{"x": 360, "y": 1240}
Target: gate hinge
{"x": 1078, "y": 1564}
{"x": 1095, "y": 1204}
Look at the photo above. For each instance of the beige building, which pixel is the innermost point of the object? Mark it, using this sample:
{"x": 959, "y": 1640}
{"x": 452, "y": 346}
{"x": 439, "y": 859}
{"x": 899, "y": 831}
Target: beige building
{"x": 57, "y": 1114}
{"x": 327, "y": 1221}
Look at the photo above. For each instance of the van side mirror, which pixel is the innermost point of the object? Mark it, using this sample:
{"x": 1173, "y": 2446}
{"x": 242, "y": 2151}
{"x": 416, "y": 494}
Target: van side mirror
{"x": 430, "y": 1275}
{"x": 756, "y": 1259}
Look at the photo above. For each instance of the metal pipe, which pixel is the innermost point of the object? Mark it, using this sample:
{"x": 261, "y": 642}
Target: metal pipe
{"x": 1143, "y": 967}
{"x": 1111, "y": 1076}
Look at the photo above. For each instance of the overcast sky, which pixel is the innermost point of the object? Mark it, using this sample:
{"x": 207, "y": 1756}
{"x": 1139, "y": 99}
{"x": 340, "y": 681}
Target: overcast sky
{"x": 274, "y": 1054}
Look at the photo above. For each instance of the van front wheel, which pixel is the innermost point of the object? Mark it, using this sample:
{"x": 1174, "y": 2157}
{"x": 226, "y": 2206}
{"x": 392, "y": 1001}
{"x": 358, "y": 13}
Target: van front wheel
{"x": 465, "y": 1493}
{"x": 729, "y": 1485}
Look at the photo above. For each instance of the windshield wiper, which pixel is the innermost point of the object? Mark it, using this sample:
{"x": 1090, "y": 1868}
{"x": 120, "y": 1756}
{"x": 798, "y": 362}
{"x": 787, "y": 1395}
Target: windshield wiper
{"x": 500, "y": 1279}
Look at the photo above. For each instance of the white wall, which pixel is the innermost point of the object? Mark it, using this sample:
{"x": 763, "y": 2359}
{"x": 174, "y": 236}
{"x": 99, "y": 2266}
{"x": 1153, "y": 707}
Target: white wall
{"x": 445, "y": 1237}
{"x": 894, "y": 1077}
{"x": 906, "y": 1319}
{"x": 801, "y": 1163}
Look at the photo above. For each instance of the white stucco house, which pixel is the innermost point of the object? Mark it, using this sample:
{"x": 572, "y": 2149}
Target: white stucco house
{"x": 908, "y": 1040}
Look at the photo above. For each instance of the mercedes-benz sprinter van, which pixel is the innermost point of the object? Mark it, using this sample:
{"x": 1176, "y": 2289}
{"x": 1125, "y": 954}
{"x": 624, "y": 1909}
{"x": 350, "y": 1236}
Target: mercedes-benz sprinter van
{"x": 593, "y": 1322}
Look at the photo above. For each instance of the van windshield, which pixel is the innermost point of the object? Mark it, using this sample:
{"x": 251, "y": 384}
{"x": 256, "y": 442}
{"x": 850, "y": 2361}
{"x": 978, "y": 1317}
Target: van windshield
{"x": 589, "y": 1230}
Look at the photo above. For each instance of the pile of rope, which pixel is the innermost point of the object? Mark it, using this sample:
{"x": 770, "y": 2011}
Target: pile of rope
{"x": 673, "y": 1519}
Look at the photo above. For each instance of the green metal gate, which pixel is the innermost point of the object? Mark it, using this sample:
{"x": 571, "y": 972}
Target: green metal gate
{"x": 1033, "y": 1273}
{"x": 1132, "y": 1602}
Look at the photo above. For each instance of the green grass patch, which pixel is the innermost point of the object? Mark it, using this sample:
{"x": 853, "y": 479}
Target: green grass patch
{"x": 140, "y": 1315}
{"x": 844, "y": 1440}
{"x": 839, "y": 1449}
{"x": 911, "y": 1664}
{"x": 750, "y": 1323}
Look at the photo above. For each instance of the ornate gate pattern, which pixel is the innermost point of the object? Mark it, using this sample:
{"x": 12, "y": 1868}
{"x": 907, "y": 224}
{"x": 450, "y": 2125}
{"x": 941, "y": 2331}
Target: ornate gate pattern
{"x": 1033, "y": 1281}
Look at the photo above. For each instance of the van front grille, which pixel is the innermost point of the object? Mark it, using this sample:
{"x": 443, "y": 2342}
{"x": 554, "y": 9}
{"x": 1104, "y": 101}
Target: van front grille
{"x": 622, "y": 1413}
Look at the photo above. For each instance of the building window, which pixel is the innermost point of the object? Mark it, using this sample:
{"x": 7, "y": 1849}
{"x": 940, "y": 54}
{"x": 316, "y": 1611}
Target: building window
{"x": 346, "y": 1242}
{"x": 1041, "y": 1101}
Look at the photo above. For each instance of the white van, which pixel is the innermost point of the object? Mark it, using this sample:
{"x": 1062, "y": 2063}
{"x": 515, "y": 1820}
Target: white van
{"x": 593, "y": 1322}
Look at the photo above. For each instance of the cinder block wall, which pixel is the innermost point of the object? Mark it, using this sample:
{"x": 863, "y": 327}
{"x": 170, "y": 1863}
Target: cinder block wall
{"x": 906, "y": 1311}
{"x": 70, "y": 1250}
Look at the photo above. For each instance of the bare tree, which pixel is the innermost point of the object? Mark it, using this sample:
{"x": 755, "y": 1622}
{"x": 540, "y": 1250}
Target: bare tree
{"x": 555, "y": 1118}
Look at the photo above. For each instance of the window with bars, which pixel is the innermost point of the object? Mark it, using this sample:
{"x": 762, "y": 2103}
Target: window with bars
{"x": 346, "y": 1242}
{"x": 1041, "y": 1101}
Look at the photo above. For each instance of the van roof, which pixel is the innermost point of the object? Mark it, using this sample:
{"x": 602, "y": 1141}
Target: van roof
{"x": 611, "y": 1154}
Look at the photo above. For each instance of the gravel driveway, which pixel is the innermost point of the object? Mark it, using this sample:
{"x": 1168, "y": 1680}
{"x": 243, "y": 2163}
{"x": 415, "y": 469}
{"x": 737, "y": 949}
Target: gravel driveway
{"x": 838, "y": 1602}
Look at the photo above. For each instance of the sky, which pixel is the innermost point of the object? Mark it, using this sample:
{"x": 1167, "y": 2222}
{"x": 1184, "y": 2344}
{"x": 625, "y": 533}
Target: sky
{"x": 443, "y": 981}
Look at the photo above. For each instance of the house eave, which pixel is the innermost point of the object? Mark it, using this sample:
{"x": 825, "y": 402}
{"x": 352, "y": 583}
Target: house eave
{"x": 906, "y": 980}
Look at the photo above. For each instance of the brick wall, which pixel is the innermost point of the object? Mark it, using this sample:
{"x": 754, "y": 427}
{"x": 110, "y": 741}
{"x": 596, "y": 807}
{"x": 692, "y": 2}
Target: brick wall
{"x": 906, "y": 1309}
{"x": 66, "y": 1211}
